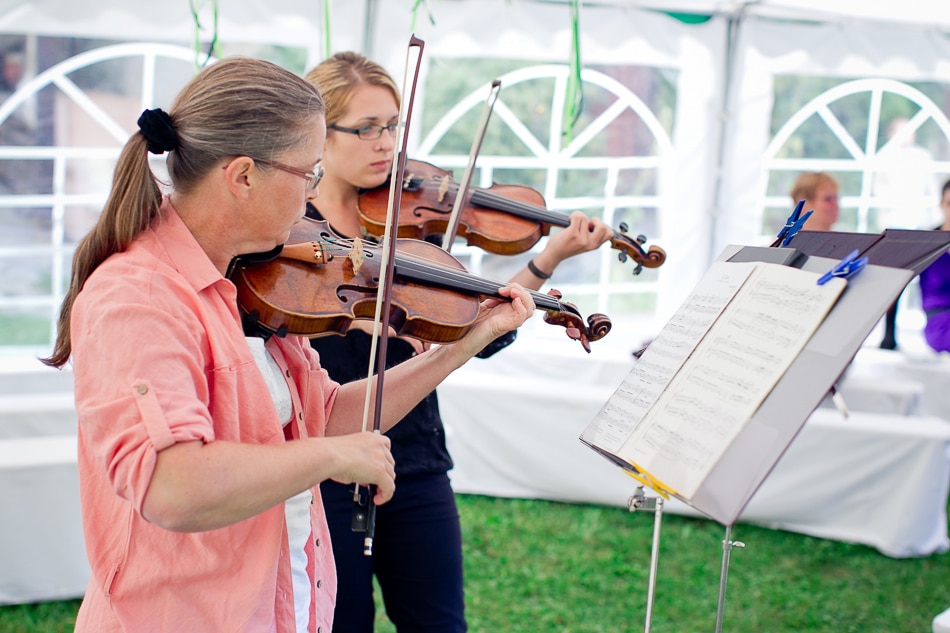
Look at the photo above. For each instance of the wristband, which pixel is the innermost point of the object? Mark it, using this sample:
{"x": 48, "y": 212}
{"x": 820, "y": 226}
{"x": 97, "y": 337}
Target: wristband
{"x": 537, "y": 271}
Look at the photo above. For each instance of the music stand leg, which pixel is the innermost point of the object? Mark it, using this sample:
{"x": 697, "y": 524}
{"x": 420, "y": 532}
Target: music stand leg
{"x": 639, "y": 501}
{"x": 727, "y": 545}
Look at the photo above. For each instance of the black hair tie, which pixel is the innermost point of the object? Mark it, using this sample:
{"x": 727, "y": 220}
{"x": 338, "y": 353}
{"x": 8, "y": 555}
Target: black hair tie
{"x": 159, "y": 133}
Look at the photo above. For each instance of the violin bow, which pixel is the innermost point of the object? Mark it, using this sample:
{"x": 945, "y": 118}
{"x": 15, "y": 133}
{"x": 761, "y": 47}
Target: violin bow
{"x": 449, "y": 236}
{"x": 380, "y": 337}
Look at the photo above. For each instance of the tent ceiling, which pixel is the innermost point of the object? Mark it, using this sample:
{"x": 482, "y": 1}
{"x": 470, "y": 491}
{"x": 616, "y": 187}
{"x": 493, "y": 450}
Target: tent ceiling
{"x": 298, "y": 20}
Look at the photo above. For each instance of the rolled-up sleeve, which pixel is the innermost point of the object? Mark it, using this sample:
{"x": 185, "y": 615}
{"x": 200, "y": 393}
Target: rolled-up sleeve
{"x": 140, "y": 387}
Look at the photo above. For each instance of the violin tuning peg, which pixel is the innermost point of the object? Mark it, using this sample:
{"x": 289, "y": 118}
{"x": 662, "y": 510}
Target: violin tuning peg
{"x": 622, "y": 256}
{"x": 638, "y": 269}
{"x": 641, "y": 239}
{"x": 624, "y": 227}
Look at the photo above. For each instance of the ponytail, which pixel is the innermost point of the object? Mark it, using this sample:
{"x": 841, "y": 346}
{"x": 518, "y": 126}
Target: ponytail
{"x": 134, "y": 200}
{"x": 235, "y": 107}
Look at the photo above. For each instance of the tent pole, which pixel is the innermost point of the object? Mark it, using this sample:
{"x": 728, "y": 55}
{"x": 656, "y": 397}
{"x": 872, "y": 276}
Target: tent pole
{"x": 732, "y": 28}
{"x": 369, "y": 26}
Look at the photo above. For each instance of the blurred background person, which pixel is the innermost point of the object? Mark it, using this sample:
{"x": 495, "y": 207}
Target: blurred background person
{"x": 935, "y": 288}
{"x": 819, "y": 190}
{"x": 904, "y": 182}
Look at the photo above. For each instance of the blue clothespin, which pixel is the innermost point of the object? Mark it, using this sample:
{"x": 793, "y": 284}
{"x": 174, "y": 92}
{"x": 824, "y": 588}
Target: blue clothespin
{"x": 846, "y": 268}
{"x": 793, "y": 224}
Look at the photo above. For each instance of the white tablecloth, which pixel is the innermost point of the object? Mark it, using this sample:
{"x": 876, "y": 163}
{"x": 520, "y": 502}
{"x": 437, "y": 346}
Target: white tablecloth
{"x": 42, "y": 555}
{"x": 514, "y": 420}
{"x": 513, "y": 423}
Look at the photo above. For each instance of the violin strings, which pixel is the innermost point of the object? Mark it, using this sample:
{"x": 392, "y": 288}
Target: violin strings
{"x": 410, "y": 267}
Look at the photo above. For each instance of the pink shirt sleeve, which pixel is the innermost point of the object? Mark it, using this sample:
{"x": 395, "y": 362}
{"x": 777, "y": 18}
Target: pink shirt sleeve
{"x": 138, "y": 388}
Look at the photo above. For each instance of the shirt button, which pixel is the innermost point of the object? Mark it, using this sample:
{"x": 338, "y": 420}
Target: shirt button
{"x": 300, "y": 415}
{"x": 317, "y": 542}
{"x": 319, "y": 584}
{"x": 319, "y": 629}
{"x": 142, "y": 390}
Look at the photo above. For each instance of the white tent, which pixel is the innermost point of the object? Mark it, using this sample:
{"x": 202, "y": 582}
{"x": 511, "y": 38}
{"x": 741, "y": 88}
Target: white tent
{"x": 711, "y": 113}
{"x": 716, "y": 155}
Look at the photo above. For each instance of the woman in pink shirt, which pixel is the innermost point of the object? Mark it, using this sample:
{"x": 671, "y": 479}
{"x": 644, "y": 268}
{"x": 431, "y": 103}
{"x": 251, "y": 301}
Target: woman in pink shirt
{"x": 200, "y": 449}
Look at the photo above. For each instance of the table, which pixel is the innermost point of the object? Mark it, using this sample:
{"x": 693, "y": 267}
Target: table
{"x": 878, "y": 479}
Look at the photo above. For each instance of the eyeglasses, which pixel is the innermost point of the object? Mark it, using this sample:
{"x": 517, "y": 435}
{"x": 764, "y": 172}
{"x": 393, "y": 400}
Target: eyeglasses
{"x": 367, "y": 132}
{"x": 313, "y": 178}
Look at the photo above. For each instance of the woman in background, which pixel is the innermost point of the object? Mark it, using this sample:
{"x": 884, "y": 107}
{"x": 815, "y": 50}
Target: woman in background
{"x": 819, "y": 190}
{"x": 417, "y": 550}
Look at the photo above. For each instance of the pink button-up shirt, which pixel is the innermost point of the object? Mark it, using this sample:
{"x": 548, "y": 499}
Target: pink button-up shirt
{"x": 159, "y": 357}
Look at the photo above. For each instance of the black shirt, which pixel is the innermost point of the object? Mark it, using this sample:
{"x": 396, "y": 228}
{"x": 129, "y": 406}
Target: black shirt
{"x": 418, "y": 441}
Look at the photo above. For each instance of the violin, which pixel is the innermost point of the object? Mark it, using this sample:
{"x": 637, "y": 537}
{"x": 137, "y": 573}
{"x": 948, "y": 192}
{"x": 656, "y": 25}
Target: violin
{"x": 503, "y": 219}
{"x": 320, "y": 282}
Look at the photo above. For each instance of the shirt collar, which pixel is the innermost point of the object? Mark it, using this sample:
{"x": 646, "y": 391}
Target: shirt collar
{"x": 183, "y": 249}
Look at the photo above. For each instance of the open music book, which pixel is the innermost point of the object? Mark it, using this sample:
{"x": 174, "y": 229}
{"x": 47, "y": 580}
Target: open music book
{"x": 696, "y": 386}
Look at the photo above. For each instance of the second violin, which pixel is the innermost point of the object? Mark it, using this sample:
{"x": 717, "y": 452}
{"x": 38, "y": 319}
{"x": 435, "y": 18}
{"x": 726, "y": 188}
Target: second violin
{"x": 504, "y": 219}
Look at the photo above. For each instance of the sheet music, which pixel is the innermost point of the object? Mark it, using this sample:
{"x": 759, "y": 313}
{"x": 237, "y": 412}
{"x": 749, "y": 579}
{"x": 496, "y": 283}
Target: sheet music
{"x": 666, "y": 354}
{"x": 745, "y": 352}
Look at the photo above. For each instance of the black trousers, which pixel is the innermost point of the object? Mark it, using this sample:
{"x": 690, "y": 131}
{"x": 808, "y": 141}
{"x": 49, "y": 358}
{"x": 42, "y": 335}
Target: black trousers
{"x": 417, "y": 558}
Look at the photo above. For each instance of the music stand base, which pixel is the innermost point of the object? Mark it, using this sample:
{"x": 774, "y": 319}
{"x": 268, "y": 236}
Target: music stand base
{"x": 727, "y": 545}
{"x": 639, "y": 501}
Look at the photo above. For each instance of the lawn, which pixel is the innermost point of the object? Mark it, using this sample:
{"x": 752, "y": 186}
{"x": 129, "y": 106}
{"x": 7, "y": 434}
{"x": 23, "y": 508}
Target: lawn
{"x": 541, "y": 566}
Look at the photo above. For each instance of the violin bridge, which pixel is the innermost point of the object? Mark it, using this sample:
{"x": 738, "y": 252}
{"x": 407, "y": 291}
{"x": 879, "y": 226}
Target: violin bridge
{"x": 357, "y": 255}
{"x": 444, "y": 187}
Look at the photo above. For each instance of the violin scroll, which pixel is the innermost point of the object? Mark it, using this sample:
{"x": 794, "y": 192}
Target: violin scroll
{"x": 568, "y": 317}
{"x": 652, "y": 258}
{"x": 501, "y": 219}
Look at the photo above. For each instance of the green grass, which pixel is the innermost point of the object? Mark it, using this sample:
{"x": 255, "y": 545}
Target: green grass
{"x": 540, "y": 566}
{"x": 23, "y": 329}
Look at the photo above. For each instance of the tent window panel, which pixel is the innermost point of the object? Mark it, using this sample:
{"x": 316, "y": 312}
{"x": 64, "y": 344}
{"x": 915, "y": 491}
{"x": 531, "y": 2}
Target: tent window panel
{"x": 622, "y": 273}
{"x": 793, "y": 92}
{"x": 24, "y": 176}
{"x": 450, "y": 80}
{"x": 501, "y": 267}
{"x": 24, "y": 326}
{"x": 932, "y": 138}
{"x": 78, "y": 219}
{"x": 849, "y": 183}
{"x": 33, "y": 122}
{"x": 170, "y": 75}
{"x": 641, "y": 304}
{"x": 116, "y": 76}
{"x": 534, "y": 177}
{"x": 774, "y": 218}
{"x": 848, "y": 220}
{"x": 575, "y": 183}
{"x": 25, "y": 275}
{"x": 583, "y": 269}
{"x": 531, "y": 102}
{"x": 637, "y": 182}
{"x": 640, "y": 220}
{"x": 626, "y": 135}
{"x": 89, "y": 175}
{"x": 780, "y": 184}
{"x": 654, "y": 85}
{"x": 877, "y": 221}
{"x": 498, "y": 141}
{"x": 25, "y": 226}
{"x": 814, "y": 139}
